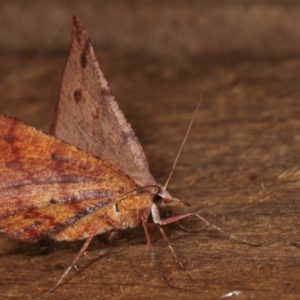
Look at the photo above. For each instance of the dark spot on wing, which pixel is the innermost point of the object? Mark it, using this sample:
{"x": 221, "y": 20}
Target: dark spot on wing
{"x": 37, "y": 223}
{"x": 10, "y": 139}
{"x": 55, "y": 156}
{"x": 85, "y": 52}
{"x": 78, "y": 95}
{"x": 83, "y": 60}
{"x": 106, "y": 92}
{"x": 129, "y": 136}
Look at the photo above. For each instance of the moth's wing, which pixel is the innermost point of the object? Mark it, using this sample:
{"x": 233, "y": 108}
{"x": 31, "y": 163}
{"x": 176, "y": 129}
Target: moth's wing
{"x": 35, "y": 223}
{"x": 89, "y": 117}
{"x": 46, "y": 184}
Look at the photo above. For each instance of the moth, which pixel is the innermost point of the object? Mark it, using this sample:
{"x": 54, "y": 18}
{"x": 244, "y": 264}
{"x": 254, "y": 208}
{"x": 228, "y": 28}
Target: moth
{"x": 90, "y": 177}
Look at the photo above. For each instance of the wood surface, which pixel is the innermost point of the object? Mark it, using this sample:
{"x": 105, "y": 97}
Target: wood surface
{"x": 240, "y": 168}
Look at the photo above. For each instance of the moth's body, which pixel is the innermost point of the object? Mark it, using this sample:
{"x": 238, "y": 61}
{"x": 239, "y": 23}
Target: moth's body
{"x": 99, "y": 181}
{"x": 125, "y": 213}
{"x": 50, "y": 188}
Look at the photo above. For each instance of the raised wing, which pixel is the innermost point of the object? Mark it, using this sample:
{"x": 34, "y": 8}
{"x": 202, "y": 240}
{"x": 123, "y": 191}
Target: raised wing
{"x": 46, "y": 184}
{"x": 88, "y": 116}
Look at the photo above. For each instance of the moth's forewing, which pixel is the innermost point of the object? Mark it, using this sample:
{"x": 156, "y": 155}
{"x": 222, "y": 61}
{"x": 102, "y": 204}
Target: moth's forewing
{"x": 46, "y": 184}
{"x": 89, "y": 117}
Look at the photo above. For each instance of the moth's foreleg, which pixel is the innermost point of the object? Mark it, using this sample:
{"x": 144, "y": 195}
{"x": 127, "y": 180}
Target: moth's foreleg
{"x": 152, "y": 254}
{"x": 172, "y": 219}
{"x": 157, "y": 222}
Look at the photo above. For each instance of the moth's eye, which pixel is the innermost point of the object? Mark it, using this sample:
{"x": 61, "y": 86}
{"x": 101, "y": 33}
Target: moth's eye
{"x": 157, "y": 199}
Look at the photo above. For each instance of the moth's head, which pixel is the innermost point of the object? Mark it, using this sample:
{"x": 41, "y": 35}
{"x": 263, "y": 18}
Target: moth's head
{"x": 164, "y": 199}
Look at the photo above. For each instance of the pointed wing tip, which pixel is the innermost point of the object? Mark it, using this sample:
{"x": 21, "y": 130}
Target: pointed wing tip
{"x": 78, "y": 28}
{"x": 76, "y": 22}
{"x": 80, "y": 35}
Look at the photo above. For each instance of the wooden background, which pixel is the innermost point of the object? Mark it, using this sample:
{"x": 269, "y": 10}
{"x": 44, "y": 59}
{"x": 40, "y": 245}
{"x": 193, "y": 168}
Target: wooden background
{"x": 240, "y": 167}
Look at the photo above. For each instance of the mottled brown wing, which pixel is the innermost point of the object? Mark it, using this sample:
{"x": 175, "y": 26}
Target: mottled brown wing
{"x": 46, "y": 184}
{"x": 88, "y": 116}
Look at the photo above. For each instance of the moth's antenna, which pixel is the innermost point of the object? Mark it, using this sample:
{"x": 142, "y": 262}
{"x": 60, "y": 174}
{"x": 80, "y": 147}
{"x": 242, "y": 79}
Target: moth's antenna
{"x": 182, "y": 144}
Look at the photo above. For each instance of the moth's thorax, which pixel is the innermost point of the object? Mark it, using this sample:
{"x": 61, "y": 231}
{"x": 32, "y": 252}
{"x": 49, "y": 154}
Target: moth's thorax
{"x": 124, "y": 213}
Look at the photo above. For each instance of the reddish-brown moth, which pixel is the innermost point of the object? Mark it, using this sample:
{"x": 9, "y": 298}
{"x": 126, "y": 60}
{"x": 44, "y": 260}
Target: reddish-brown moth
{"x": 91, "y": 178}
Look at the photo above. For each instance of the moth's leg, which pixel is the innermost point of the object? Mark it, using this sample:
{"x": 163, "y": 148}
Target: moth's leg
{"x": 157, "y": 220}
{"x": 79, "y": 254}
{"x": 187, "y": 229}
{"x": 167, "y": 241}
{"x": 144, "y": 217}
{"x": 170, "y": 214}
